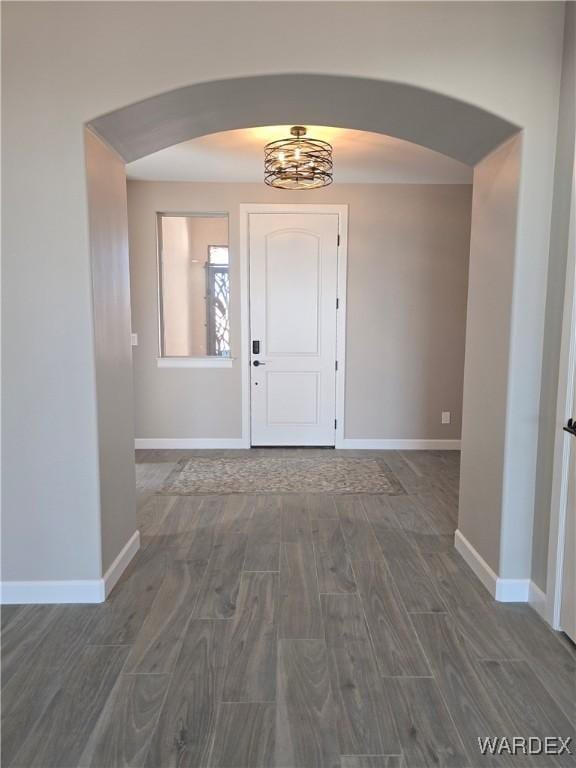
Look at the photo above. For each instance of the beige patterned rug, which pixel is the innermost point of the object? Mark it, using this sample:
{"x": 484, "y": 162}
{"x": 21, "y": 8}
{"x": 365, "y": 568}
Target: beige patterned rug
{"x": 280, "y": 475}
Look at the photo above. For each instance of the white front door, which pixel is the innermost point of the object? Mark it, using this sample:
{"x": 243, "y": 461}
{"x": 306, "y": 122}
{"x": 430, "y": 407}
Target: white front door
{"x": 293, "y": 292}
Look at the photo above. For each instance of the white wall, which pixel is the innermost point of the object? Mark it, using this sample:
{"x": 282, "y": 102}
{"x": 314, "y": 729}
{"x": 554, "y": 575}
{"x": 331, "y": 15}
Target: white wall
{"x": 407, "y": 286}
{"x": 563, "y": 203}
{"x": 112, "y": 346}
{"x": 67, "y": 63}
{"x": 492, "y": 247}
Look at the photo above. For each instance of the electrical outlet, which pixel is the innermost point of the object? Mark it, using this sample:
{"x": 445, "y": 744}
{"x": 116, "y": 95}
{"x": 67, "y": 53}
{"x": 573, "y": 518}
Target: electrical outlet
{"x": 134, "y": 339}
{"x": 445, "y": 417}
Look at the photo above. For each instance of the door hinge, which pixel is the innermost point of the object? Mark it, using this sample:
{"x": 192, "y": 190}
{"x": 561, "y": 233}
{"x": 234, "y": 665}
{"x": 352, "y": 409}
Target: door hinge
{"x": 336, "y": 365}
{"x": 337, "y": 303}
{"x": 335, "y": 423}
{"x": 338, "y": 240}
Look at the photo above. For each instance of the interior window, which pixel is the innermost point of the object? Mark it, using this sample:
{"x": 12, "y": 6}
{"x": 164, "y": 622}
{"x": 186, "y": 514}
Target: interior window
{"x": 194, "y": 285}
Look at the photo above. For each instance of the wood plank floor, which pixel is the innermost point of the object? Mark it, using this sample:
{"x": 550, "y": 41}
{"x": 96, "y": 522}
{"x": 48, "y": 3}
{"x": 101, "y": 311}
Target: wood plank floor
{"x": 287, "y": 632}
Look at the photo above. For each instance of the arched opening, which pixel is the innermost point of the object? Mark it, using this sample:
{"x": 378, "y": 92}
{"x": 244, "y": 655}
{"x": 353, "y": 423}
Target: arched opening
{"x": 452, "y": 127}
{"x": 433, "y": 120}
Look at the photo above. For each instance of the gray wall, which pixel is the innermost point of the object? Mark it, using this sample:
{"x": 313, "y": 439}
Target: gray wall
{"x": 554, "y": 303}
{"x": 66, "y": 63}
{"x": 492, "y": 246}
{"x": 407, "y": 285}
{"x": 111, "y": 307}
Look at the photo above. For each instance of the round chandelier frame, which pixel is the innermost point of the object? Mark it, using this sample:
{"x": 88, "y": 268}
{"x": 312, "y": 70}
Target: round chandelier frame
{"x": 298, "y": 162}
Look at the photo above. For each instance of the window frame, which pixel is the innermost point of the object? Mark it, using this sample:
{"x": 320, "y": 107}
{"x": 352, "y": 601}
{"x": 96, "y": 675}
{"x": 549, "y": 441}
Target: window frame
{"x": 198, "y": 361}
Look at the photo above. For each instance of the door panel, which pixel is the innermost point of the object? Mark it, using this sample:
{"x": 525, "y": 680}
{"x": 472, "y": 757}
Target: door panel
{"x": 293, "y": 289}
{"x": 292, "y": 275}
{"x": 292, "y": 397}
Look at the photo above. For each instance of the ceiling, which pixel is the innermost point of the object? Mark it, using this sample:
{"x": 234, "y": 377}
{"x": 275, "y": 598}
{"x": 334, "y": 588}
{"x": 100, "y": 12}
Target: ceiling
{"x": 360, "y": 157}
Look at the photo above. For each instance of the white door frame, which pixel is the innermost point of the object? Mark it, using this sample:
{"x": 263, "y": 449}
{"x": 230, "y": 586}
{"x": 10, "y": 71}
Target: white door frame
{"x": 342, "y": 211}
{"x": 563, "y": 442}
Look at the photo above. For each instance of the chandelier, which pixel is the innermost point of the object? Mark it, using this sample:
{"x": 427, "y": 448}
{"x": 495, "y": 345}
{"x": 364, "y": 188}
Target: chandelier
{"x": 298, "y": 162}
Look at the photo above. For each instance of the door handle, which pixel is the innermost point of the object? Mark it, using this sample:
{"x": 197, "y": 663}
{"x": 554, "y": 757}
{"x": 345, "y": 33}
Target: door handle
{"x": 571, "y": 427}
{"x": 256, "y": 363}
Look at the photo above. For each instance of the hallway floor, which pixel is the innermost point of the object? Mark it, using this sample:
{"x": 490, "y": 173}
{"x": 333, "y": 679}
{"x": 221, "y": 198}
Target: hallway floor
{"x": 297, "y": 631}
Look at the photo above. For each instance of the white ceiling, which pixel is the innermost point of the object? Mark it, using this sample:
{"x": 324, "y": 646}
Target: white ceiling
{"x": 359, "y": 158}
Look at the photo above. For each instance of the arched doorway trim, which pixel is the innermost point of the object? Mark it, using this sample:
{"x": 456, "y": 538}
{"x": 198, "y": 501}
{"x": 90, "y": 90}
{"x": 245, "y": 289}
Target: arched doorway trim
{"x": 453, "y": 127}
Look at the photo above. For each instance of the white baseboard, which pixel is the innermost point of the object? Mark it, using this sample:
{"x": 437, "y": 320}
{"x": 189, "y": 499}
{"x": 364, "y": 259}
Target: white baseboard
{"x": 503, "y": 590}
{"x": 376, "y": 444}
{"x": 120, "y": 563}
{"x": 190, "y": 443}
{"x": 480, "y": 567}
{"x": 68, "y": 591}
{"x": 218, "y": 443}
{"x": 512, "y": 590}
{"x": 537, "y": 600}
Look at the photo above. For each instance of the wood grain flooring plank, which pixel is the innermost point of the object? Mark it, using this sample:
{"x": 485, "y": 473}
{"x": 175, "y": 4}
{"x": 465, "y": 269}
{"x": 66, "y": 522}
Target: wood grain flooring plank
{"x": 411, "y": 480}
{"x": 244, "y": 736}
{"x": 263, "y": 548}
{"x": 295, "y": 520}
{"x": 300, "y": 615}
{"x": 392, "y": 541}
{"x": 415, "y": 583}
{"x": 25, "y": 698}
{"x": 122, "y": 615}
{"x": 7, "y": 613}
{"x": 187, "y": 722}
{"x": 150, "y": 476}
{"x": 529, "y": 705}
{"x": 360, "y": 541}
{"x": 343, "y": 619}
{"x": 236, "y": 512}
{"x": 551, "y": 656}
{"x": 439, "y": 513}
{"x": 395, "y": 644}
{"x": 124, "y": 730}
{"x": 306, "y": 732}
{"x": 23, "y": 636}
{"x": 411, "y": 515}
{"x": 321, "y": 506}
{"x": 62, "y": 706}
{"x": 200, "y": 544}
{"x": 474, "y": 712}
{"x": 182, "y": 516}
{"x": 427, "y": 733}
{"x": 378, "y": 511}
{"x": 332, "y": 563}
{"x": 210, "y": 512}
{"x": 372, "y": 761}
{"x": 471, "y": 606}
{"x": 251, "y": 667}
{"x": 364, "y": 717}
{"x": 219, "y": 589}
{"x": 60, "y": 735}
{"x": 432, "y": 543}
{"x": 456, "y": 580}
{"x": 197, "y": 547}
{"x": 152, "y": 513}
{"x": 158, "y": 642}
{"x": 48, "y": 638}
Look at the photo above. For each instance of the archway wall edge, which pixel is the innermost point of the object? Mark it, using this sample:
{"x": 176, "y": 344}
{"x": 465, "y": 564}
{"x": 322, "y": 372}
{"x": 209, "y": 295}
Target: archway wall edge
{"x": 447, "y": 125}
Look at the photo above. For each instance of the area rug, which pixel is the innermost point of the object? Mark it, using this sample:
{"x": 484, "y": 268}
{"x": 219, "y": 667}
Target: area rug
{"x": 280, "y": 475}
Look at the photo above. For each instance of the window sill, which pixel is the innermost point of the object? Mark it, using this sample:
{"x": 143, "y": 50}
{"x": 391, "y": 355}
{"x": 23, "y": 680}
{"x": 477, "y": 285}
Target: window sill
{"x": 194, "y": 362}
